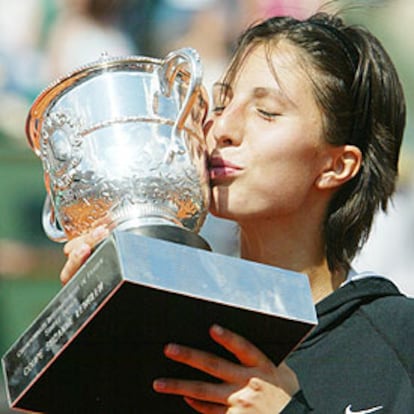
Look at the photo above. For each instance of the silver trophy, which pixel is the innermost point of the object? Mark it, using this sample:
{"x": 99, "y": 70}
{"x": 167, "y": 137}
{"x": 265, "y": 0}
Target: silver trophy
{"x": 121, "y": 142}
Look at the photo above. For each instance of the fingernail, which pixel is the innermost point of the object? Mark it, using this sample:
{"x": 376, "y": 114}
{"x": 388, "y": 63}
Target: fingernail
{"x": 218, "y": 329}
{"x": 159, "y": 384}
{"x": 83, "y": 250}
{"x": 172, "y": 349}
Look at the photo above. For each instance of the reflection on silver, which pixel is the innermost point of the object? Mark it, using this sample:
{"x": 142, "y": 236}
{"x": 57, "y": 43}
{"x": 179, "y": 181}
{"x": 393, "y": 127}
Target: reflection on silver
{"x": 134, "y": 295}
{"x": 121, "y": 143}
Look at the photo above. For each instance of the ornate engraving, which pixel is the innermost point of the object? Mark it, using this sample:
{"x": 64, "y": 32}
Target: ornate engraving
{"x": 122, "y": 142}
{"x": 60, "y": 147}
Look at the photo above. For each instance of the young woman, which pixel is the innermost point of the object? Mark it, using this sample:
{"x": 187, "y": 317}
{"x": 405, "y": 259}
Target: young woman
{"x": 304, "y": 142}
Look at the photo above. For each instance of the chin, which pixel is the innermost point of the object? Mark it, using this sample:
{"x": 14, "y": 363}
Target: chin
{"x": 223, "y": 212}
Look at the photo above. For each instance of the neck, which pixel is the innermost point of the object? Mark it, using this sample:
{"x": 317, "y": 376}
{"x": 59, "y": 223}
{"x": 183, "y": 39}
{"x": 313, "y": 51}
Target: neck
{"x": 299, "y": 248}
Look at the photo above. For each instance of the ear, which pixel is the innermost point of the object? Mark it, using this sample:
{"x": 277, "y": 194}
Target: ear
{"x": 344, "y": 164}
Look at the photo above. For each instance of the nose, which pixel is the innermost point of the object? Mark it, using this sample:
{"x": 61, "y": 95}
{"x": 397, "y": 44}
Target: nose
{"x": 224, "y": 127}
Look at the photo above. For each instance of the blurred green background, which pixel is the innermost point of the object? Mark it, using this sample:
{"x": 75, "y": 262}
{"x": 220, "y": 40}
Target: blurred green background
{"x": 29, "y": 261}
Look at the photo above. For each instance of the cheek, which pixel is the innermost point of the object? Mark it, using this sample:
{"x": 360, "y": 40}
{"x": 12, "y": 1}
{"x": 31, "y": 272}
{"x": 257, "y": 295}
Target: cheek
{"x": 288, "y": 175}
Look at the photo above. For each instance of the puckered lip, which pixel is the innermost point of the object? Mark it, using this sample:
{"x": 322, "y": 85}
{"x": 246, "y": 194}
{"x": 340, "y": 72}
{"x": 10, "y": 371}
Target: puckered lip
{"x": 221, "y": 169}
{"x": 218, "y": 162}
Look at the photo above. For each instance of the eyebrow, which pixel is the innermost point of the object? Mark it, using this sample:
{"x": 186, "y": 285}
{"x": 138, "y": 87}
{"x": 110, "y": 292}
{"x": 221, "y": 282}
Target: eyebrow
{"x": 278, "y": 94}
{"x": 258, "y": 92}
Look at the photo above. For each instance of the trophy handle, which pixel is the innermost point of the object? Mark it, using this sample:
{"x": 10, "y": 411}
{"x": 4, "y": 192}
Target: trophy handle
{"x": 187, "y": 61}
{"x": 50, "y": 223}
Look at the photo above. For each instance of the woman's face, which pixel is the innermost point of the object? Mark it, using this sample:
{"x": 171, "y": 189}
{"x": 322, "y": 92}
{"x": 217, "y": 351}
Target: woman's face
{"x": 265, "y": 139}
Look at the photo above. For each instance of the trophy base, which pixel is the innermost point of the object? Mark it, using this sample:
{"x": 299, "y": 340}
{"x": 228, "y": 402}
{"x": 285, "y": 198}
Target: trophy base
{"x": 98, "y": 345}
{"x": 173, "y": 234}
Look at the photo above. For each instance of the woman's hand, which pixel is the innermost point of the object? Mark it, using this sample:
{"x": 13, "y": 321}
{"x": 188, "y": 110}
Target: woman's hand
{"x": 216, "y": 398}
{"x": 79, "y": 249}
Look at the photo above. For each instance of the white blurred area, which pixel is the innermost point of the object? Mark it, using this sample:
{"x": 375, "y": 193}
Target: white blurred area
{"x": 44, "y": 39}
{"x": 20, "y": 60}
{"x": 81, "y": 33}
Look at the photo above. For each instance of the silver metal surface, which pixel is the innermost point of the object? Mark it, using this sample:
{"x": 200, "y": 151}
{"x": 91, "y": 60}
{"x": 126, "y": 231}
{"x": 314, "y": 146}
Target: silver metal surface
{"x": 98, "y": 345}
{"x": 121, "y": 143}
{"x": 215, "y": 277}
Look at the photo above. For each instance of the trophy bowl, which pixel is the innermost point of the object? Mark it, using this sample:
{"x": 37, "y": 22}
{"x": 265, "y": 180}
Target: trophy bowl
{"x": 121, "y": 142}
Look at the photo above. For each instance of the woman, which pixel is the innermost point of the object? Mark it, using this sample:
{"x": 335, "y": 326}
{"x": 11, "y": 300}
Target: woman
{"x": 304, "y": 143}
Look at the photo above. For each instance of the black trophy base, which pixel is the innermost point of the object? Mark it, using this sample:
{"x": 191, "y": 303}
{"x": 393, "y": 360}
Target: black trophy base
{"x": 173, "y": 234}
{"x": 98, "y": 346}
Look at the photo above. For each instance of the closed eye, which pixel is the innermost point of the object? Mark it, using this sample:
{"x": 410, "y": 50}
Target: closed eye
{"x": 269, "y": 116}
{"x": 218, "y": 109}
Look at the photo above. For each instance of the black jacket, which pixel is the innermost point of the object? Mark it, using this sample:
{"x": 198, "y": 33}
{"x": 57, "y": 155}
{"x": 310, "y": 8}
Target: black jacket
{"x": 360, "y": 357}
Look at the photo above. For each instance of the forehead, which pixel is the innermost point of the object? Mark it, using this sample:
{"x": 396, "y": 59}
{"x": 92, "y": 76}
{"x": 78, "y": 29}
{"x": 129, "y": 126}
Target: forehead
{"x": 280, "y": 66}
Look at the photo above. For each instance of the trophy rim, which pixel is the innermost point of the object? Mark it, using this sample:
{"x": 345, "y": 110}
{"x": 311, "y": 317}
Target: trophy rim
{"x": 53, "y": 90}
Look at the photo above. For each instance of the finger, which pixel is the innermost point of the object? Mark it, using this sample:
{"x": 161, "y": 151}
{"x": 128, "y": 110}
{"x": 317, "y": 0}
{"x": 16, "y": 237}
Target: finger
{"x": 206, "y": 362}
{"x": 240, "y": 400}
{"x": 78, "y": 250}
{"x": 248, "y": 354}
{"x": 195, "y": 390}
{"x": 243, "y": 397}
{"x": 91, "y": 238}
{"x": 73, "y": 245}
{"x": 256, "y": 384}
{"x": 205, "y": 407}
{"x": 75, "y": 260}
